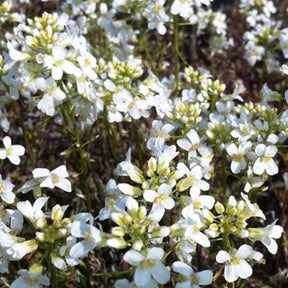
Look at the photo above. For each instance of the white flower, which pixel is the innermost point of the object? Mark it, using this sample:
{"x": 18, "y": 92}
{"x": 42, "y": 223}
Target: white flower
{"x": 92, "y": 237}
{"x": 6, "y": 193}
{"x": 182, "y": 7}
{"x": 19, "y": 250}
{"x": 148, "y": 266}
{"x": 34, "y": 213}
{"x": 265, "y": 161}
{"x": 236, "y": 265}
{"x": 124, "y": 283}
{"x": 12, "y": 217}
{"x": 114, "y": 201}
{"x": 161, "y": 199}
{"x": 251, "y": 181}
{"x": 58, "y": 63}
{"x": 87, "y": 63}
{"x": 51, "y": 93}
{"x": 192, "y": 225}
{"x": 266, "y": 235}
{"x": 254, "y": 53}
{"x": 191, "y": 143}
{"x": 238, "y": 156}
{"x": 284, "y": 69}
{"x": 193, "y": 280}
{"x": 56, "y": 177}
{"x": 193, "y": 179}
{"x": 12, "y": 152}
{"x": 160, "y": 132}
{"x": 30, "y": 279}
{"x": 164, "y": 155}
{"x": 126, "y": 168}
{"x": 198, "y": 203}
{"x": 124, "y": 102}
{"x": 156, "y": 15}
{"x": 251, "y": 209}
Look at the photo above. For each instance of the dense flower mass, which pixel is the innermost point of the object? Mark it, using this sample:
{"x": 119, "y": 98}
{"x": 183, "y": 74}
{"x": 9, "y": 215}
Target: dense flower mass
{"x": 151, "y": 143}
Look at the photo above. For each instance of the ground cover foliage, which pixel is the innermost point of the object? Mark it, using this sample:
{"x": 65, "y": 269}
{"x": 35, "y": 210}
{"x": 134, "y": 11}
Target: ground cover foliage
{"x": 144, "y": 143}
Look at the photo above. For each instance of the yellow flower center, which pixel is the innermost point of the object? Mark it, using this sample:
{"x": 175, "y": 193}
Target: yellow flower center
{"x": 58, "y": 63}
{"x": 197, "y": 204}
{"x": 51, "y": 90}
{"x": 265, "y": 159}
{"x": 131, "y": 105}
{"x": 245, "y": 132}
{"x": 9, "y": 151}
{"x": 30, "y": 281}
{"x": 157, "y": 8}
{"x": 194, "y": 279}
{"x": 195, "y": 229}
{"x": 160, "y": 198}
{"x": 238, "y": 157}
{"x": 110, "y": 202}
{"x": 160, "y": 134}
{"x": 55, "y": 178}
{"x": 147, "y": 263}
{"x": 88, "y": 239}
{"x": 87, "y": 62}
{"x": 235, "y": 261}
{"x": 194, "y": 147}
{"x": 1, "y": 187}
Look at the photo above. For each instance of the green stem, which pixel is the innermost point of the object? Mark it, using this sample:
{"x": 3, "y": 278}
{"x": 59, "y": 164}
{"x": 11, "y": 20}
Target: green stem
{"x": 116, "y": 273}
{"x": 138, "y": 141}
{"x": 110, "y": 139}
{"x": 53, "y": 276}
{"x": 176, "y": 50}
{"x": 83, "y": 176}
{"x": 224, "y": 176}
{"x": 25, "y": 135}
{"x": 284, "y": 207}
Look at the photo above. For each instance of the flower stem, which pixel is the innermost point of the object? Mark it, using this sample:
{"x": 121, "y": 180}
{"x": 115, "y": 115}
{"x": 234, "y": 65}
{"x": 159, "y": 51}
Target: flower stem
{"x": 83, "y": 175}
{"x": 176, "y": 50}
{"x": 224, "y": 176}
{"x": 52, "y": 270}
{"x": 138, "y": 141}
{"x": 25, "y": 135}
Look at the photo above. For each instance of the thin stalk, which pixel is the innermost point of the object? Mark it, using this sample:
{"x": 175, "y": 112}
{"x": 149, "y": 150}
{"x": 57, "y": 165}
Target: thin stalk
{"x": 116, "y": 273}
{"x": 176, "y": 50}
{"x": 111, "y": 141}
{"x": 53, "y": 276}
{"x": 25, "y": 135}
{"x": 138, "y": 141}
{"x": 284, "y": 207}
{"x": 83, "y": 177}
{"x": 224, "y": 176}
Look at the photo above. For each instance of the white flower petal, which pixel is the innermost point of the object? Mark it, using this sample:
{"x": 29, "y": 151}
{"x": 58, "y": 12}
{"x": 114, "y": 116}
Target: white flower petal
{"x": 133, "y": 257}
{"x": 244, "y": 269}
{"x": 160, "y": 273}
{"x": 40, "y": 172}
{"x": 230, "y": 273}
{"x": 223, "y": 256}
{"x": 64, "y": 184}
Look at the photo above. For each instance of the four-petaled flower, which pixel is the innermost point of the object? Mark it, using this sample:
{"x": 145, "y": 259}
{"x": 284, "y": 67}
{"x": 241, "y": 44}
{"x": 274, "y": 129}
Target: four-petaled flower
{"x": 56, "y": 177}
{"x": 193, "y": 279}
{"x": 265, "y": 161}
{"x": 148, "y": 266}
{"x": 12, "y": 152}
{"x": 236, "y": 265}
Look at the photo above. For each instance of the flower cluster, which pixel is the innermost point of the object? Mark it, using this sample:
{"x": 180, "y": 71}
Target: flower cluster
{"x": 188, "y": 205}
